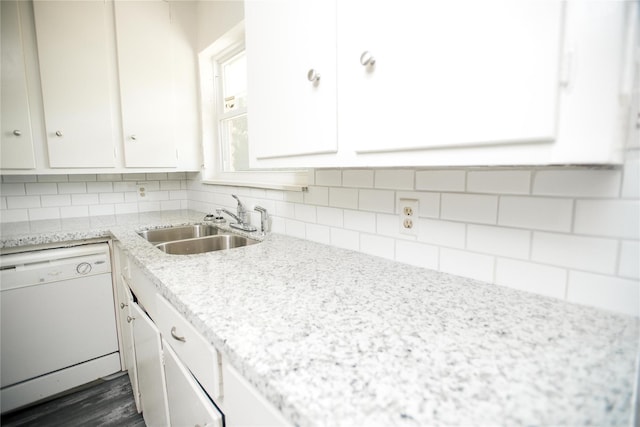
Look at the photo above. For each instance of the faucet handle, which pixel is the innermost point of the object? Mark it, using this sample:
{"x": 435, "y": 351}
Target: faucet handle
{"x": 264, "y": 218}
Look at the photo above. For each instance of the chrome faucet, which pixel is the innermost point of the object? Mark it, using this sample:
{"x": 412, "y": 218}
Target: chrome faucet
{"x": 242, "y": 218}
{"x": 264, "y": 218}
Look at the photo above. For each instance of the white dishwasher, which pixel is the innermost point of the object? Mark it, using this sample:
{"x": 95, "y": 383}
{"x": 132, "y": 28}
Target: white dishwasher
{"x": 58, "y": 326}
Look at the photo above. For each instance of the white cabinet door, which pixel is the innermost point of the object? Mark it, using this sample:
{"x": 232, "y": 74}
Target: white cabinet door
{"x": 74, "y": 70}
{"x": 125, "y": 302}
{"x": 447, "y": 74}
{"x": 288, "y": 114}
{"x": 16, "y": 151}
{"x": 143, "y": 31}
{"x": 244, "y": 406}
{"x": 188, "y": 403}
{"x": 151, "y": 379}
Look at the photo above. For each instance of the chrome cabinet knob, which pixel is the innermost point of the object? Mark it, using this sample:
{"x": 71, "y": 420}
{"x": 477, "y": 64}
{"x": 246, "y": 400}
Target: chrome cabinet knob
{"x": 17, "y": 132}
{"x": 133, "y": 137}
{"x": 58, "y": 133}
{"x": 130, "y": 319}
{"x": 367, "y": 59}
{"x": 123, "y": 305}
{"x": 313, "y": 76}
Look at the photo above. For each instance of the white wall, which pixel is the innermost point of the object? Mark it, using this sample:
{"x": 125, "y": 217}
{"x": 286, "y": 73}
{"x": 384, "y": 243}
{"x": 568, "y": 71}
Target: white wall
{"x": 568, "y": 233}
{"x": 216, "y": 18}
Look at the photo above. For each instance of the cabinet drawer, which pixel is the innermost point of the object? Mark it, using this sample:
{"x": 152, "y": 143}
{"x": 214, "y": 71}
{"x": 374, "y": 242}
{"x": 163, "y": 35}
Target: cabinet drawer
{"x": 192, "y": 349}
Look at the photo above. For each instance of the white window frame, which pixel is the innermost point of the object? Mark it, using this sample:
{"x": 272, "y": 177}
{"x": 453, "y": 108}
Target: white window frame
{"x": 225, "y": 47}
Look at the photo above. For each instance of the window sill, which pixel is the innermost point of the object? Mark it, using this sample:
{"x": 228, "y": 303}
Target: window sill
{"x": 272, "y": 180}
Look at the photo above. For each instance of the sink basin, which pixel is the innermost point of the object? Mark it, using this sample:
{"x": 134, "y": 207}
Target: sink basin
{"x": 205, "y": 244}
{"x": 161, "y": 235}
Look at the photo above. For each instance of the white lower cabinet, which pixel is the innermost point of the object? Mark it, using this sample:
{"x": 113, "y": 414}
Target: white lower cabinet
{"x": 188, "y": 404}
{"x": 243, "y": 405}
{"x": 178, "y": 377}
{"x": 150, "y": 370}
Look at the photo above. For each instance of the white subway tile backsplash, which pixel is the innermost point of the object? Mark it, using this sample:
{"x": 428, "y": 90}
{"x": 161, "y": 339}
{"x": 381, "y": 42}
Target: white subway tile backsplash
{"x": 577, "y": 183}
{"x": 330, "y": 216}
{"x": 126, "y": 208}
{"x": 631, "y": 176}
{"x": 361, "y": 178}
{"x": 360, "y": 221}
{"x": 109, "y": 177}
{"x": 317, "y": 196}
{"x": 429, "y": 202}
{"x": 162, "y": 176}
{"x": 14, "y": 215}
{"x": 295, "y": 228}
{"x": 82, "y": 178}
{"x": 581, "y": 232}
{"x": 442, "y": 233}
{"x": 305, "y": 213}
{"x": 583, "y": 253}
{"x": 19, "y": 178}
{"x": 17, "y": 189}
{"x": 531, "y": 277}
{"x": 611, "y": 218}
{"x": 629, "y": 260}
{"x": 502, "y": 181}
{"x": 537, "y": 213}
{"x": 72, "y": 187}
{"x": 441, "y": 180}
{"x": 347, "y": 239}
{"x": 134, "y": 177}
{"x": 507, "y": 242}
{"x": 107, "y": 209}
{"x": 418, "y": 254}
{"x": 55, "y": 200}
{"x": 469, "y": 208}
{"x": 343, "y": 198}
{"x": 394, "y": 179}
{"x": 111, "y": 198}
{"x": 37, "y": 214}
{"x": 318, "y": 233}
{"x": 293, "y": 197}
{"x": 170, "y": 205}
{"x": 41, "y": 188}
{"x": 74, "y": 211}
{"x": 329, "y": 177}
{"x": 377, "y": 201}
{"x": 23, "y": 202}
{"x": 286, "y": 209}
{"x": 172, "y": 185}
{"x": 619, "y": 295}
{"x": 467, "y": 264}
{"x": 377, "y": 245}
{"x": 53, "y": 178}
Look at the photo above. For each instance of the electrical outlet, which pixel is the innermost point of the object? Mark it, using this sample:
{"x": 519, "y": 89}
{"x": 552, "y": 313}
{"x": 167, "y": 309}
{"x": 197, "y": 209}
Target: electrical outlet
{"x": 409, "y": 209}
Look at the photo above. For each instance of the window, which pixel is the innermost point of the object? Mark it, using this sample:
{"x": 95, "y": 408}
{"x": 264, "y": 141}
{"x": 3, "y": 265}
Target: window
{"x": 231, "y": 97}
{"x": 226, "y": 124}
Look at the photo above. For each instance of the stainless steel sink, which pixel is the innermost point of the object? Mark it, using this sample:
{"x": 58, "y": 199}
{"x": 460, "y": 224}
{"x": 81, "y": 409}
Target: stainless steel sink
{"x": 161, "y": 235}
{"x": 205, "y": 244}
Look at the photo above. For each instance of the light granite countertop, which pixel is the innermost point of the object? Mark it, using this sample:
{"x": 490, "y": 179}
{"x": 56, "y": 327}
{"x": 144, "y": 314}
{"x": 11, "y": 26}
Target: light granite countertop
{"x": 338, "y": 338}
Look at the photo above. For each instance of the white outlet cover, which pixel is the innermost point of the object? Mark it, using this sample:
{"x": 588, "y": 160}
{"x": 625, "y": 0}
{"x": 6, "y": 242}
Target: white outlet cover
{"x": 414, "y": 208}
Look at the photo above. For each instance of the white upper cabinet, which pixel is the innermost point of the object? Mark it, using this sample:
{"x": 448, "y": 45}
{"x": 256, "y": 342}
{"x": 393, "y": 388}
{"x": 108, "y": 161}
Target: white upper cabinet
{"x": 16, "y": 151}
{"x": 291, "y": 77}
{"x": 437, "y": 83}
{"x": 143, "y": 31}
{"x": 447, "y": 73}
{"x": 76, "y": 87}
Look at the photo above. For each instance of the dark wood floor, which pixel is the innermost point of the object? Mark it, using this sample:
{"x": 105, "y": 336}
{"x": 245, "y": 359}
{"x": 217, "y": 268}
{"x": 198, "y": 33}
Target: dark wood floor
{"x": 101, "y": 403}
